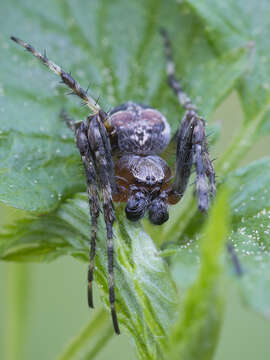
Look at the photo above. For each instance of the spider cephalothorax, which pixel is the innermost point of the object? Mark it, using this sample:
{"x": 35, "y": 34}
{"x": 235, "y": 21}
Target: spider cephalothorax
{"x": 120, "y": 151}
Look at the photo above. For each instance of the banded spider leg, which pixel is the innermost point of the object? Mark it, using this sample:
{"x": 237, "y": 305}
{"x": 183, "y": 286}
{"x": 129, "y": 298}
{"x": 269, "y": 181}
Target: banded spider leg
{"x": 94, "y": 146}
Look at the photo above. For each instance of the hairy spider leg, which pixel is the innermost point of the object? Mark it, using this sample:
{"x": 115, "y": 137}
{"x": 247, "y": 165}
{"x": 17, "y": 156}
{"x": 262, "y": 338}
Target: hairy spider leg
{"x": 101, "y": 149}
{"x": 66, "y": 78}
{"x": 100, "y": 145}
{"x": 92, "y": 187}
{"x": 235, "y": 259}
{"x": 183, "y": 99}
{"x": 201, "y": 160}
{"x": 71, "y": 123}
{"x": 191, "y": 137}
{"x": 191, "y": 141}
{"x": 184, "y": 159}
{"x": 95, "y": 149}
{"x": 93, "y": 143}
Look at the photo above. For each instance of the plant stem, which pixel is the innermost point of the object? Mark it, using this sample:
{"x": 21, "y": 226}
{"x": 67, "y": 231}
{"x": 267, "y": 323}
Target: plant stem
{"x": 16, "y": 298}
{"x": 104, "y": 338}
{"x": 239, "y": 147}
{"x": 98, "y": 324}
{"x": 169, "y": 252}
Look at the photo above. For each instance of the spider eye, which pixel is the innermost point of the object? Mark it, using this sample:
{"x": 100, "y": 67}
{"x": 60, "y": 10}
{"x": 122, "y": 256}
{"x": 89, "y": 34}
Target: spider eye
{"x": 158, "y": 212}
{"x": 136, "y": 206}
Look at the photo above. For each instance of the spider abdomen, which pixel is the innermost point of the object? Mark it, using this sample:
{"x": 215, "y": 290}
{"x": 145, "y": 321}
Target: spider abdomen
{"x": 140, "y": 130}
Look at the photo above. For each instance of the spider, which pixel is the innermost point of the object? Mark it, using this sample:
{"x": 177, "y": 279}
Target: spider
{"x": 120, "y": 153}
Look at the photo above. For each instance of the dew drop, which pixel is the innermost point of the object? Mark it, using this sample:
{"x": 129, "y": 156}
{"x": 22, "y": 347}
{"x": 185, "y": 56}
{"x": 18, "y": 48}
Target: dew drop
{"x": 266, "y": 86}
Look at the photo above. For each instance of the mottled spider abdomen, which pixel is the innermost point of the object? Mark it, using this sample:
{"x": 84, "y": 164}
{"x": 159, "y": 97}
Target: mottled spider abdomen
{"x": 139, "y": 129}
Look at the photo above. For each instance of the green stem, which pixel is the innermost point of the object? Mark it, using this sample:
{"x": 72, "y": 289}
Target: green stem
{"x": 90, "y": 330}
{"x": 169, "y": 252}
{"x": 16, "y": 298}
{"x": 104, "y": 338}
{"x": 239, "y": 147}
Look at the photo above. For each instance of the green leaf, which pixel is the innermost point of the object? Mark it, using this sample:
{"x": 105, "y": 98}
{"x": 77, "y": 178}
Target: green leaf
{"x": 251, "y": 230}
{"x": 232, "y": 24}
{"x": 250, "y": 205}
{"x": 40, "y": 166}
{"x": 145, "y": 294}
{"x": 196, "y": 332}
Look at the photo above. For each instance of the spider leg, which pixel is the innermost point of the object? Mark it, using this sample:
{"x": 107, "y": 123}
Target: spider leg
{"x": 184, "y": 159}
{"x": 191, "y": 142}
{"x": 210, "y": 172}
{"x": 94, "y": 146}
{"x": 202, "y": 161}
{"x": 183, "y": 99}
{"x": 71, "y": 123}
{"x": 235, "y": 259}
{"x": 100, "y": 146}
{"x": 66, "y": 78}
{"x": 192, "y": 148}
{"x": 92, "y": 187}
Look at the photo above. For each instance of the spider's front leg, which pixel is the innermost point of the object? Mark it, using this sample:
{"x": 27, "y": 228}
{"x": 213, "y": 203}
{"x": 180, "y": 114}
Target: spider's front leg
{"x": 70, "y": 122}
{"x": 94, "y": 146}
{"x": 192, "y": 148}
{"x": 191, "y": 143}
{"x": 203, "y": 164}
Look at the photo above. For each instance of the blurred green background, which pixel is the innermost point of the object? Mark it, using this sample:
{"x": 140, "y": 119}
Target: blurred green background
{"x": 56, "y": 307}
